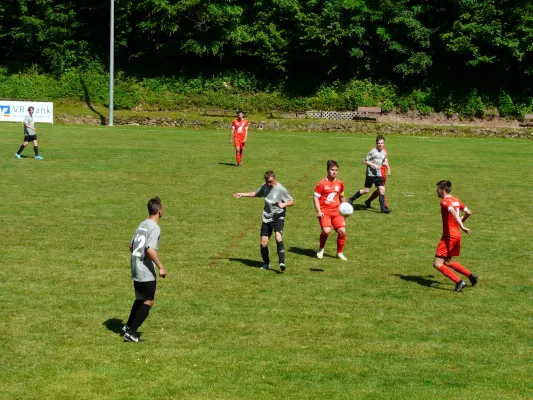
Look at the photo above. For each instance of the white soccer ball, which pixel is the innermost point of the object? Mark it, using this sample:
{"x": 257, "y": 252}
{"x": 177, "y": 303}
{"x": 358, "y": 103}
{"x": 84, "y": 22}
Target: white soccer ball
{"x": 345, "y": 209}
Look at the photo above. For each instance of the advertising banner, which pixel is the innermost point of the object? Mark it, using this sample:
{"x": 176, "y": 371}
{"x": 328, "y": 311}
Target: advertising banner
{"x": 14, "y": 111}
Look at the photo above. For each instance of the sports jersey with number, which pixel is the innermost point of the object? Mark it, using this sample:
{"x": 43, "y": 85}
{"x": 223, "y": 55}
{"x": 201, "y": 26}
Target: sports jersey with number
{"x": 329, "y": 193}
{"x": 450, "y": 227}
{"x": 376, "y": 157}
{"x": 28, "y": 120}
{"x": 146, "y": 236}
{"x": 273, "y": 195}
{"x": 239, "y": 127}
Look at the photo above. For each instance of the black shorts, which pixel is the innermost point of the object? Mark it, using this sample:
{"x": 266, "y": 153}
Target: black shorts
{"x": 144, "y": 290}
{"x": 30, "y": 138}
{"x": 276, "y": 226}
{"x": 373, "y": 180}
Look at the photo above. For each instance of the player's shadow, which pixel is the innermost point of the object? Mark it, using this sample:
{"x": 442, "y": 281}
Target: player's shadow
{"x": 252, "y": 263}
{"x": 227, "y": 164}
{"x": 303, "y": 252}
{"x": 422, "y": 281}
{"x": 359, "y": 207}
{"x": 114, "y": 325}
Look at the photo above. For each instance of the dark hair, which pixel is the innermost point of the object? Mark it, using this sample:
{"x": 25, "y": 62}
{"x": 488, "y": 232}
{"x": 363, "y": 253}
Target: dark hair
{"x": 379, "y": 137}
{"x": 154, "y": 205}
{"x": 445, "y": 185}
{"x": 270, "y": 174}
{"x": 332, "y": 163}
{"x": 240, "y": 112}
{"x": 31, "y": 108}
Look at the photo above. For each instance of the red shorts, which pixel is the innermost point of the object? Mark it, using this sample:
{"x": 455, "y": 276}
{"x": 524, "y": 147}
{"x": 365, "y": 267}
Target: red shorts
{"x": 238, "y": 140}
{"x": 335, "y": 220}
{"x": 448, "y": 247}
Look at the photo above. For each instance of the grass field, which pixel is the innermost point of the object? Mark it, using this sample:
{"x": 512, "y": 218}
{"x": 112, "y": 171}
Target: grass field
{"x": 384, "y": 325}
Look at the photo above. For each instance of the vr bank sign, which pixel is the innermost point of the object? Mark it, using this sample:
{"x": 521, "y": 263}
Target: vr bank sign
{"x": 15, "y": 111}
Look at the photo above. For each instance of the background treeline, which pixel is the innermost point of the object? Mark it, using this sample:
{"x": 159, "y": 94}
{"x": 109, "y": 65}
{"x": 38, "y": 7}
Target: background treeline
{"x": 456, "y": 56}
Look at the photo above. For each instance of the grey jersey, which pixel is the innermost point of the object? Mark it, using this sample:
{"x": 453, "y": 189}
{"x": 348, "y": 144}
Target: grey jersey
{"x": 28, "y": 120}
{"x": 273, "y": 196}
{"x": 375, "y": 157}
{"x": 146, "y": 236}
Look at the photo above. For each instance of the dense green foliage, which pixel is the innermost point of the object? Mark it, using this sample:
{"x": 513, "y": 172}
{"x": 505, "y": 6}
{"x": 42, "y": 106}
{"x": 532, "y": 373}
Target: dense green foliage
{"x": 383, "y": 325}
{"x": 462, "y": 56}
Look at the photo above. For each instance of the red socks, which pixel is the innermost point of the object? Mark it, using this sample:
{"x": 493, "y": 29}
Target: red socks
{"x": 449, "y": 273}
{"x": 459, "y": 268}
{"x": 323, "y": 238}
{"x": 341, "y": 239}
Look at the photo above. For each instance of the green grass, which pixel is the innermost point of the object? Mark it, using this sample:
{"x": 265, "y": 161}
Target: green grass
{"x": 384, "y": 325}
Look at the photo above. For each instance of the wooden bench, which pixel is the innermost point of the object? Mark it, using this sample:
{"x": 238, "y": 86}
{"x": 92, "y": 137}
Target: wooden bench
{"x": 367, "y": 113}
{"x": 528, "y": 121}
{"x": 218, "y": 112}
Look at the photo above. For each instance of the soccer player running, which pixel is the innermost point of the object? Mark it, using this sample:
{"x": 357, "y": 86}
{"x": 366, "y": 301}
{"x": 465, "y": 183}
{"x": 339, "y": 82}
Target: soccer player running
{"x": 385, "y": 170}
{"x": 277, "y": 199}
{"x": 328, "y": 195}
{"x": 239, "y": 133}
{"x": 30, "y": 134}
{"x": 375, "y": 159}
{"x": 144, "y": 257}
{"x": 450, "y": 242}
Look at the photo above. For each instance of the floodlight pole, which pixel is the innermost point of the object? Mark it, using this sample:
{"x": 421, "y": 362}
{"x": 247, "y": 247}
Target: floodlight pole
{"x": 111, "y": 61}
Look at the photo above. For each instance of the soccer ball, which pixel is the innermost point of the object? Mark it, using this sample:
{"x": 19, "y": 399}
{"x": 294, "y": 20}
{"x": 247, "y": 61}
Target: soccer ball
{"x": 345, "y": 209}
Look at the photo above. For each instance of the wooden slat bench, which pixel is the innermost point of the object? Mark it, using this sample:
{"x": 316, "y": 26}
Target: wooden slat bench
{"x": 367, "y": 113}
{"x": 528, "y": 121}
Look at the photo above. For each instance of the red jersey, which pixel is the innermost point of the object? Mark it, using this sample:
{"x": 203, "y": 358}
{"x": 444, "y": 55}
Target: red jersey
{"x": 239, "y": 127}
{"x": 329, "y": 193}
{"x": 450, "y": 227}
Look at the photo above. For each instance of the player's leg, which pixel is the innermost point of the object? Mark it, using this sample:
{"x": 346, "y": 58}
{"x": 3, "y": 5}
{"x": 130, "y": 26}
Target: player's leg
{"x": 36, "y": 149}
{"x": 381, "y": 188}
{"x": 375, "y": 193}
{"x": 359, "y": 193}
{"x": 279, "y": 243}
{"x": 21, "y": 148}
{"x": 237, "y": 153}
{"x": 266, "y": 232}
{"x": 325, "y": 225}
{"x": 145, "y": 292}
{"x": 341, "y": 240}
{"x": 456, "y": 250}
{"x": 442, "y": 255}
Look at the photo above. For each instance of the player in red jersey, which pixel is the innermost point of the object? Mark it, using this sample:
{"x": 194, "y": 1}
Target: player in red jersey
{"x": 239, "y": 133}
{"x": 450, "y": 242}
{"x": 329, "y": 194}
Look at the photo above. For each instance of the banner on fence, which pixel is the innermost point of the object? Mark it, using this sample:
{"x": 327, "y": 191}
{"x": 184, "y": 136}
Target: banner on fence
{"x": 15, "y": 111}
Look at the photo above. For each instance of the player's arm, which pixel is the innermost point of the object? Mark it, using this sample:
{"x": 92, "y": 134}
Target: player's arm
{"x": 286, "y": 204}
{"x": 370, "y": 164}
{"x": 152, "y": 253}
{"x": 342, "y": 197}
{"x": 456, "y": 216}
{"x": 316, "y": 202}
{"x": 467, "y": 214}
{"x": 29, "y": 127}
{"x": 386, "y": 164}
{"x": 239, "y": 195}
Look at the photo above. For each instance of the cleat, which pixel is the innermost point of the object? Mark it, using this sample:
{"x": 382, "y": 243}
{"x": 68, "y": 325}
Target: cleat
{"x": 342, "y": 257}
{"x": 320, "y": 253}
{"x": 386, "y": 210}
{"x": 17, "y": 155}
{"x": 265, "y": 266}
{"x": 367, "y": 204}
{"x": 459, "y": 286}
{"x": 132, "y": 337}
{"x": 238, "y": 165}
{"x": 125, "y": 328}
{"x": 473, "y": 279}
{"x": 38, "y": 158}
{"x": 282, "y": 267}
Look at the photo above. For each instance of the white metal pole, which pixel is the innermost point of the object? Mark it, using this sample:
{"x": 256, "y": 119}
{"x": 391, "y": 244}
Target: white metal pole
{"x": 111, "y": 61}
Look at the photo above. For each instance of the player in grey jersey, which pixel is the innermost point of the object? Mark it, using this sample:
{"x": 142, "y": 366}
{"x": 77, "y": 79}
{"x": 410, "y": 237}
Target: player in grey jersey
{"x": 144, "y": 258}
{"x": 375, "y": 159}
{"x": 277, "y": 199}
{"x": 30, "y": 135}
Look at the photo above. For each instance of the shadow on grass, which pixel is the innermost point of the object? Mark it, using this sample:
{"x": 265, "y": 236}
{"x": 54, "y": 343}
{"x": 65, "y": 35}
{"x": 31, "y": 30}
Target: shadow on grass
{"x": 252, "y": 264}
{"x": 422, "y": 281}
{"x": 303, "y": 252}
{"x": 114, "y": 325}
{"x": 227, "y": 164}
{"x": 316, "y": 270}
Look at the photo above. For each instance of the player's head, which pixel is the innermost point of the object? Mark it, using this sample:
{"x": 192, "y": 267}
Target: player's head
{"x": 270, "y": 178}
{"x": 444, "y": 188}
{"x": 333, "y": 168}
{"x": 380, "y": 141}
{"x": 155, "y": 206}
{"x": 31, "y": 109}
{"x": 240, "y": 114}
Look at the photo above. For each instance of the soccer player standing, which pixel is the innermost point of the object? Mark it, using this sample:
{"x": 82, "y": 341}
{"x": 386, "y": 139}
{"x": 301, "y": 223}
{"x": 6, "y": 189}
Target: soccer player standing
{"x": 277, "y": 199}
{"x": 239, "y": 133}
{"x": 385, "y": 170}
{"x": 328, "y": 195}
{"x": 144, "y": 258}
{"x": 30, "y": 134}
{"x": 375, "y": 159}
{"x": 450, "y": 242}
